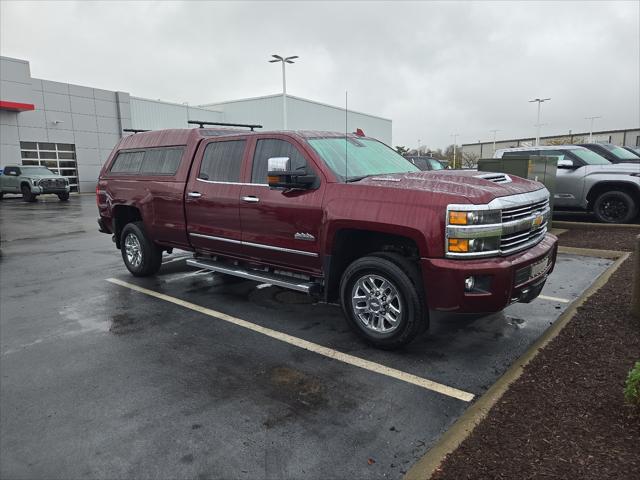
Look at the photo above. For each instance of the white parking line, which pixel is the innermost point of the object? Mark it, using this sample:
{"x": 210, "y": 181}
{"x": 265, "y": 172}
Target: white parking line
{"x": 554, "y": 299}
{"x": 310, "y": 346}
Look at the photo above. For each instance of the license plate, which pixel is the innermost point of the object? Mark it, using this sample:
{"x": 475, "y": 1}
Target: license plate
{"x": 539, "y": 267}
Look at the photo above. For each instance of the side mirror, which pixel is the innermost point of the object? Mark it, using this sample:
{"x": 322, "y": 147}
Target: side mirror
{"x": 280, "y": 175}
{"x": 566, "y": 163}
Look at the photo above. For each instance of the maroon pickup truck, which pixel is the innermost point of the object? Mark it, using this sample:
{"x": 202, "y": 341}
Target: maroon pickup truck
{"x": 341, "y": 217}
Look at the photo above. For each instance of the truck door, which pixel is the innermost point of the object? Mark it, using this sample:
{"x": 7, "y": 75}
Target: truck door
{"x": 278, "y": 226}
{"x": 569, "y": 180}
{"x": 10, "y": 179}
{"x": 212, "y": 197}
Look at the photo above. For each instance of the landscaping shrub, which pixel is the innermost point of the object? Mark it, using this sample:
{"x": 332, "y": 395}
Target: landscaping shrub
{"x": 632, "y": 387}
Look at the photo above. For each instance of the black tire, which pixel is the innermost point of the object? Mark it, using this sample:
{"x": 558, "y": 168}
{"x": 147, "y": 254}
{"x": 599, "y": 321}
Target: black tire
{"x": 615, "y": 206}
{"x": 27, "y": 196}
{"x": 150, "y": 259}
{"x": 63, "y": 196}
{"x": 403, "y": 277}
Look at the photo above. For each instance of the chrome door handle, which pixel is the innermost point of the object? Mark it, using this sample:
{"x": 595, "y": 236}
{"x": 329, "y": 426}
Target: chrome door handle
{"x": 251, "y": 199}
{"x": 194, "y": 194}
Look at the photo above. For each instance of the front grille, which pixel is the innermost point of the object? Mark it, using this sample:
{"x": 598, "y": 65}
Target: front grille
{"x": 52, "y": 183}
{"x": 523, "y": 211}
{"x": 520, "y": 229}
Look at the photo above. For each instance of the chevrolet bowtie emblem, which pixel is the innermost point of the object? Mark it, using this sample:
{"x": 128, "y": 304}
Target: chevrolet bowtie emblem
{"x": 537, "y": 221}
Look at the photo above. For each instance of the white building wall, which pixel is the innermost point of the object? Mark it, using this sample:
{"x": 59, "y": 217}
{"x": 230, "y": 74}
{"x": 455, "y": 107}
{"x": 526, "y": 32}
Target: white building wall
{"x": 302, "y": 114}
{"x": 150, "y": 114}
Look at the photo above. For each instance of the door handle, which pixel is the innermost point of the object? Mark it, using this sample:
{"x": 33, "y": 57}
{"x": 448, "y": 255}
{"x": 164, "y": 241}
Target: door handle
{"x": 194, "y": 194}
{"x": 251, "y": 199}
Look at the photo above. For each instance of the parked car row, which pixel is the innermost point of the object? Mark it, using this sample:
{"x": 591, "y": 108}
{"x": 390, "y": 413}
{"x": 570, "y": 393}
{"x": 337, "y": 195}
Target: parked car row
{"x": 589, "y": 179}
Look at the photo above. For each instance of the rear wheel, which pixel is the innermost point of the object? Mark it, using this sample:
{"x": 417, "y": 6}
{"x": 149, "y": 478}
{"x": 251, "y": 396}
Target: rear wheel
{"x": 27, "y": 196}
{"x": 141, "y": 256}
{"x": 63, "y": 196}
{"x": 382, "y": 301}
{"x": 615, "y": 207}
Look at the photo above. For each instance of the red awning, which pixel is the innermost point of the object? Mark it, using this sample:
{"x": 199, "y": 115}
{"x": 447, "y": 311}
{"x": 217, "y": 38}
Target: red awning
{"x": 16, "y": 106}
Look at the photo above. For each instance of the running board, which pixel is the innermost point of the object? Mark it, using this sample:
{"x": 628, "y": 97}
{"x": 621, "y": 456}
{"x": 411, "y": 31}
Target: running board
{"x": 264, "y": 277}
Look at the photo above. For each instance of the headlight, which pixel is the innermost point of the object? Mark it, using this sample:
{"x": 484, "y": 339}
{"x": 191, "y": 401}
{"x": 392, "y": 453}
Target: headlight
{"x": 473, "y": 233}
{"x": 473, "y": 245}
{"x": 477, "y": 217}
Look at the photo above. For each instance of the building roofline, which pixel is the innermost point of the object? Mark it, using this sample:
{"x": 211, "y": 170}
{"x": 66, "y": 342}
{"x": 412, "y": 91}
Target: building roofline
{"x": 164, "y": 102}
{"x": 490, "y": 142}
{"x": 249, "y": 99}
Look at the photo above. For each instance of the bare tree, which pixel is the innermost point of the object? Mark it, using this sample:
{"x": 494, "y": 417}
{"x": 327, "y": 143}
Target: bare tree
{"x": 470, "y": 159}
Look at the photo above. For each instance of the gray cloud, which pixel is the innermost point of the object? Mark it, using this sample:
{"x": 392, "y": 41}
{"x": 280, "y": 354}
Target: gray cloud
{"x": 435, "y": 68}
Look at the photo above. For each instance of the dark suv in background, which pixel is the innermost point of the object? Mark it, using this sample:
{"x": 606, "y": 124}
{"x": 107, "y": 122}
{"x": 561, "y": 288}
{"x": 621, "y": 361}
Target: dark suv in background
{"x": 613, "y": 153}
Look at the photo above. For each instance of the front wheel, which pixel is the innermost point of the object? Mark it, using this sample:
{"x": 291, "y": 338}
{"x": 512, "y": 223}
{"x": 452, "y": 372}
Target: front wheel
{"x": 27, "y": 196}
{"x": 615, "y": 207}
{"x": 381, "y": 301}
{"x": 63, "y": 196}
{"x": 141, "y": 256}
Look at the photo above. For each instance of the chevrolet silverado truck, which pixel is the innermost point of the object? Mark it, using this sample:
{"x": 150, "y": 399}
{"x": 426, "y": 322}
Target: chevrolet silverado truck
{"x": 341, "y": 217}
{"x": 31, "y": 181}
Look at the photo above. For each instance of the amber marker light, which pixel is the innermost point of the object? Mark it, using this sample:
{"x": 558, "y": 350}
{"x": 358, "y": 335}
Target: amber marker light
{"x": 457, "y": 218}
{"x": 458, "y": 245}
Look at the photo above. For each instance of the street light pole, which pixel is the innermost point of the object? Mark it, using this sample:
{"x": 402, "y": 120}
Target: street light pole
{"x": 283, "y": 60}
{"x": 591, "y": 127}
{"x": 455, "y": 139}
{"x": 494, "y": 139}
{"x": 538, "y": 125}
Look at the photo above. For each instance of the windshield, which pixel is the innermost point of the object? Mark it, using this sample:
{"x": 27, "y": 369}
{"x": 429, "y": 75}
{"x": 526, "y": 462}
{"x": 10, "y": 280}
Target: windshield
{"x": 36, "y": 171}
{"x": 621, "y": 152}
{"x": 436, "y": 165}
{"x": 359, "y": 158}
{"x": 589, "y": 157}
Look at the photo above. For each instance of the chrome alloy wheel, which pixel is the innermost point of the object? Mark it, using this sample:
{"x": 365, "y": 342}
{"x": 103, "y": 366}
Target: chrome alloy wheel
{"x": 376, "y": 303}
{"x": 133, "y": 250}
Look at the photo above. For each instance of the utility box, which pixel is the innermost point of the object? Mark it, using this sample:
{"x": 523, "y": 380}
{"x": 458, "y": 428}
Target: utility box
{"x": 532, "y": 167}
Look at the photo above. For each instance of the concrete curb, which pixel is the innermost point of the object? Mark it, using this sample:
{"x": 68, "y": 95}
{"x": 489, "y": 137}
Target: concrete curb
{"x": 462, "y": 428}
{"x": 565, "y": 224}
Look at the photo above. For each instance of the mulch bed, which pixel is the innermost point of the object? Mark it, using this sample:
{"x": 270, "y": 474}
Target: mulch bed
{"x": 566, "y": 417}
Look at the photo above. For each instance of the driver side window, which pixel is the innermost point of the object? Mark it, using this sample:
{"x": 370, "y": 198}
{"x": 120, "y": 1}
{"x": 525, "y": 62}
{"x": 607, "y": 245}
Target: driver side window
{"x": 270, "y": 147}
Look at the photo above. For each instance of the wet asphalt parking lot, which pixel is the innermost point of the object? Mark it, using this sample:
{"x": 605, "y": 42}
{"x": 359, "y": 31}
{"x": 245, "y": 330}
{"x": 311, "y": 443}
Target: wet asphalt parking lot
{"x": 220, "y": 378}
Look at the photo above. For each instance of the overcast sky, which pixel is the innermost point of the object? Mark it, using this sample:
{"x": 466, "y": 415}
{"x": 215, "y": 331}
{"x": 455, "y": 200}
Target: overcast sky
{"x": 434, "y": 68}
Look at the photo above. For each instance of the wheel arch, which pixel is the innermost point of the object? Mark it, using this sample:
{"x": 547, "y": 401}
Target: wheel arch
{"x": 123, "y": 214}
{"x": 351, "y": 243}
{"x": 610, "y": 185}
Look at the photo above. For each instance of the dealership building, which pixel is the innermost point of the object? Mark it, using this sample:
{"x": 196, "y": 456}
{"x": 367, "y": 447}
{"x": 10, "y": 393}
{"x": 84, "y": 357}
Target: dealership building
{"x": 72, "y": 129}
{"x": 629, "y": 137}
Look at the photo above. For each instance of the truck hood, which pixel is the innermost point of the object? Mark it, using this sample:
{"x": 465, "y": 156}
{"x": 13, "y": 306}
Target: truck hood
{"x": 41, "y": 177}
{"x": 476, "y": 187}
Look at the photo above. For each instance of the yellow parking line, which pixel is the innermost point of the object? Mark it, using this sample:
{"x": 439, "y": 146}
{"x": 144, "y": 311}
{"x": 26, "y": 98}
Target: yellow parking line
{"x": 310, "y": 346}
{"x": 554, "y": 299}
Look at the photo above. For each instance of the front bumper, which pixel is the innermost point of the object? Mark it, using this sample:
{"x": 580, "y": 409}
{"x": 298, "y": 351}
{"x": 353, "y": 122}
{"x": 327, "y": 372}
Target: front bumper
{"x": 502, "y": 276}
{"x": 38, "y": 190}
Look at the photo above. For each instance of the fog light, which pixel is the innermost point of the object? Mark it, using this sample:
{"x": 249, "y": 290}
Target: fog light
{"x": 469, "y": 283}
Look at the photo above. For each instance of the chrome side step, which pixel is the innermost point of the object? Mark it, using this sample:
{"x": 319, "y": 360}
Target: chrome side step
{"x": 265, "y": 277}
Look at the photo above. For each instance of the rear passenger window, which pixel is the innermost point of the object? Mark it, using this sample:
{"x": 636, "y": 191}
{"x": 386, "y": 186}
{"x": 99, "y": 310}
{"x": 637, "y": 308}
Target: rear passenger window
{"x": 155, "y": 161}
{"x": 269, "y": 148}
{"x": 222, "y": 161}
{"x": 127, "y": 162}
{"x": 162, "y": 161}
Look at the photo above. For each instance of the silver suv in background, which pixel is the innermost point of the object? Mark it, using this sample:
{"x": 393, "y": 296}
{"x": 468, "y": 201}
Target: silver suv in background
{"x": 587, "y": 181}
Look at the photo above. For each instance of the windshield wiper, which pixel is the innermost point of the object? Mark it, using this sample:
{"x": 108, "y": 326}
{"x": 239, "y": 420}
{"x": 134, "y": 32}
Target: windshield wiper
{"x": 359, "y": 177}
